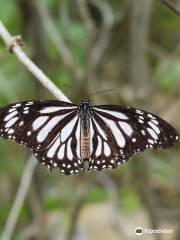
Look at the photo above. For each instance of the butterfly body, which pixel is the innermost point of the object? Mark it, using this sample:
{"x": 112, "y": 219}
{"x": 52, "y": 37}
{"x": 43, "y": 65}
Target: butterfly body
{"x": 64, "y": 135}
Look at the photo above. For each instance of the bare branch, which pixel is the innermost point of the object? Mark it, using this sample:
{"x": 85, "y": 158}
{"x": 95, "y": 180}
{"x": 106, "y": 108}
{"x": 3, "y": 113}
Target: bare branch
{"x": 57, "y": 40}
{"x": 81, "y": 198}
{"x": 171, "y": 6}
{"x": 12, "y": 44}
{"x": 85, "y": 14}
{"x": 19, "y": 199}
{"x": 102, "y": 42}
{"x": 111, "y": 190}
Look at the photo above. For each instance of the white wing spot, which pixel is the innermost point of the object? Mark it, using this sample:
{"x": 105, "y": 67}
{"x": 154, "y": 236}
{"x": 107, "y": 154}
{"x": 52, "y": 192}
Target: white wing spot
{"x": 107, "y": 150}
{"x": 54, "y": 109}
{"x": 143, "y": 132}
{"x": 99, "y": 147}
{"x": 139, "y": 111}
{"x": 140, "y": 121}
{"x": 42, "y": 135}
{"x": 11, "y": 110}
{"x": 154, "y": 121}
{"x": 11, "y": 131}
{"x": 61, "y": 152}
{"x": 26, "y": 112}
{"x": 69, "y": 150}
{"x": 29, "y": 133}
{"x": 17, "y": 105}
{"x": 113, "y": 113}
{"x": 77, "y": 134}
{"x": 151, "y": 141}
{"x": 154, "y": 127}
{"x": 151, "y": 116}
{"x": 67, "y": 130}
{"x": 29, "y": 103}
{"x": 134, "y": 140}
{"x": 126, "y": 128}
{"x": 21, "y": 123}
{"x": 115, "y": 131}
{"x": 152, "y": 133}
{"x": 101, "y": 132}
{"x": 11, "y": 122}
{"x": 39, "y": 122}
{"x": 9, "y": 116}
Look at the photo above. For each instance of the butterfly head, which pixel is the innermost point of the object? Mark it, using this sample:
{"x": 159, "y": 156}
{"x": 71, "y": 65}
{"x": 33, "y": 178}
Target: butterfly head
{"x": 84, "y": 108}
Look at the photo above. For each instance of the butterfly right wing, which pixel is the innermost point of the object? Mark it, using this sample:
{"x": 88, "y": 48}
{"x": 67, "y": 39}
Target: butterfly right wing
{"x": 120, "y": 132}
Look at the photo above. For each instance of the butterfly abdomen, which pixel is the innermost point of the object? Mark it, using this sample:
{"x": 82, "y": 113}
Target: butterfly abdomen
{"x": 85, "y": 148}
{"x": 85, "y": 140}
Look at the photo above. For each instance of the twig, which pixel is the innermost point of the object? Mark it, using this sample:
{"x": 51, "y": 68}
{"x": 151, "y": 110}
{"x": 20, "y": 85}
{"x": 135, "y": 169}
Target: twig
{"x": 57, "y": 40}
{"x": 12, "y": 44}
{"x": 104, "y": 37}
{"x": 111, "y": 190}
{"x": 85, "y": 15}
{"x": 81, "y": 198}
{"x": 171, "y": 6}
{"x": 19, "y": 199}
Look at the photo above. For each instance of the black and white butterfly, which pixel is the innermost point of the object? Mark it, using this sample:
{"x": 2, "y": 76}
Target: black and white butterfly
{"x": 63, "y": 135}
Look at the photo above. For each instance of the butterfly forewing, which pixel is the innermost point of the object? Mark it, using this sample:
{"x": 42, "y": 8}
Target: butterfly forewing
{"x": 127, "y": 130}
{"x": 49, "y": 128}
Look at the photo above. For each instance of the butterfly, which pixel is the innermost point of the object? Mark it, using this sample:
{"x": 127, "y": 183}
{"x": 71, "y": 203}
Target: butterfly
{"x": 64, "y": 135}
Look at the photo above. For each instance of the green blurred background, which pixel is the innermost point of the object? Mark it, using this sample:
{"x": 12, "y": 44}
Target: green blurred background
{"x": 85, "y": 46}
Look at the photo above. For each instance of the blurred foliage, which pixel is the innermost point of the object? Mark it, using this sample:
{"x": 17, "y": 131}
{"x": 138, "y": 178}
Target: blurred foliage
{"x": 164, "y": 32}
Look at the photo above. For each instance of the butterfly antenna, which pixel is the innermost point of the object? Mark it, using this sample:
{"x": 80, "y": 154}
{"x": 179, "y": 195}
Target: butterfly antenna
{"x": 101, "y": 92}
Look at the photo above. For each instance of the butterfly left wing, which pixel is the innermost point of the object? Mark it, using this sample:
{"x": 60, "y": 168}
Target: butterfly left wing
{"x": 50, "y": 128}
{"x": 119, "y": 132}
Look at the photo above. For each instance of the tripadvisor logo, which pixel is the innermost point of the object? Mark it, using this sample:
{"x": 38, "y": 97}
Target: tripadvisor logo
{"x": 140, "y": 231}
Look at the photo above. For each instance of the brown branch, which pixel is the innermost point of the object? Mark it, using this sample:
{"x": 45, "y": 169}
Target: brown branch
{"x": 57, "y": 40}
{"x": 14, "y": 46}
{"x": 19, "y": 199}
{"x": 171, "y": 6}
{"x": 111, "y": 189}
{"x": 85, "y": 15}
{"x": 105, "y": 33}
{"x": 81, "y": 199}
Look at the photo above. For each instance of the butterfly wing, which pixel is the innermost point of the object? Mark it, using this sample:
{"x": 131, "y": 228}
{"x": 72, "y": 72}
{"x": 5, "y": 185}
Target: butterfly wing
{"x": 119, "y": 132}
{"x": 50, "y": 128}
